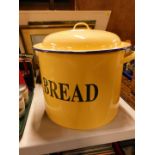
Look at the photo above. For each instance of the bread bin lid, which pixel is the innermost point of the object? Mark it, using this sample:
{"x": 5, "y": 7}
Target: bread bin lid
{"x": 81, "y": 40}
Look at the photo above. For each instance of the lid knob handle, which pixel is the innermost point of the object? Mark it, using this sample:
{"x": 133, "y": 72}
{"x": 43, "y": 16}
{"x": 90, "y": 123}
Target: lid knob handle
{"x": 82, "y": 24}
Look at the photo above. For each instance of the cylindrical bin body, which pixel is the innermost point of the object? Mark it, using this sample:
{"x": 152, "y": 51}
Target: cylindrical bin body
{"x": 81, "y": 90}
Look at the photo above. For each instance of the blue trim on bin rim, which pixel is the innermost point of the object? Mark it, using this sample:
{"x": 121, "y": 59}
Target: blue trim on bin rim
{"x": 84, "y": 51}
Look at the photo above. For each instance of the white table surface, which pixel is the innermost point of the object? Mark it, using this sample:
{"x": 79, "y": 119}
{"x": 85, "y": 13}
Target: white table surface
{"x": 43, "y": 136}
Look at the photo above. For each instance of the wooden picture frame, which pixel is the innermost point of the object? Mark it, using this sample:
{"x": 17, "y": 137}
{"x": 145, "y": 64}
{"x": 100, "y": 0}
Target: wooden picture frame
{"x": 51, "y": 21}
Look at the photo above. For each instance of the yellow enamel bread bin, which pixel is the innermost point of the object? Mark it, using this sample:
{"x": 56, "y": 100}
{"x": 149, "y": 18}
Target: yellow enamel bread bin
{"x": 81, "y": 72}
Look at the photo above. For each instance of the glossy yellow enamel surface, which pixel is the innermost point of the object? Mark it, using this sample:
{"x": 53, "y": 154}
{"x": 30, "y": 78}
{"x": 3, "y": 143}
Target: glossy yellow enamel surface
{"x": 104, "y": 70}
{"x": 81, "y": 89}
{"x": 81, "y": 40}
